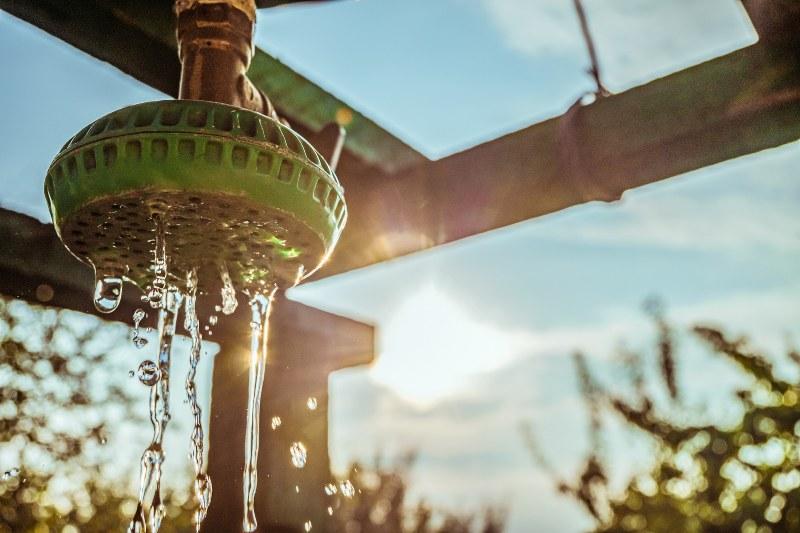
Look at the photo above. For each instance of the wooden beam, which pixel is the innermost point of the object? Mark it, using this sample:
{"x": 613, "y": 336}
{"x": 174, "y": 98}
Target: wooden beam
{"x": 729, "y": 107}
{"x": 138, "y": 37}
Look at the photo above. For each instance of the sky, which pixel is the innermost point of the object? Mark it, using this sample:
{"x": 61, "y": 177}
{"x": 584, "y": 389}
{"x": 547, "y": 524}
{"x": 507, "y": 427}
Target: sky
{"x": 475, "y": 337}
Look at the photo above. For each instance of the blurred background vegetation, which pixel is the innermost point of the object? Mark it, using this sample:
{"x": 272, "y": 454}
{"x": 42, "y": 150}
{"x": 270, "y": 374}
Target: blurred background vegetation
{"x": 705, "y": 477}
{"x": 58, "y": 405}
{"x": 56, "y": 409}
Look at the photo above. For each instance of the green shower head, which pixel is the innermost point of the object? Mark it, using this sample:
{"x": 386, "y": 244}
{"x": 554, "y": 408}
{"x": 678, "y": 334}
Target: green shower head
{"x": 225, "y": 185}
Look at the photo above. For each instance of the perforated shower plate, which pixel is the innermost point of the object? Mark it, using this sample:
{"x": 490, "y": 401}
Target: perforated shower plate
{"x": 227, "y": 185}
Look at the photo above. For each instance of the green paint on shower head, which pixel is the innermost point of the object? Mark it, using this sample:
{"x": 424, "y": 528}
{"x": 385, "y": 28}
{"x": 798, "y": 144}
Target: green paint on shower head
{"x": 227, "y": 184}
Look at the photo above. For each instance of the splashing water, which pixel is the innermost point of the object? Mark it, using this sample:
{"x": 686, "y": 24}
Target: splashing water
{"x": 347, "y": 489}
{"x": 158, "y": 289}
{"x": 138, "y": 340}
{"x": 307, "y": 526}
{"x": 228, "y": 291}
{"x": 260, "y": 307}
{"x": 202, "y": 483}
{"x": 148, "y": 373}
{"x": 330, "y": 489}
{"x": 9, "y": 474}
{"x": 299, "y": 454}
{"x": 107, "y": 293}
{"x": 153, "y": 456}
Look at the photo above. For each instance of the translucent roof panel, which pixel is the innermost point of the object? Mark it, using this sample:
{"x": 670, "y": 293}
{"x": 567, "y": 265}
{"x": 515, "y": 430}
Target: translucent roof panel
{"x": 449, "y": 74}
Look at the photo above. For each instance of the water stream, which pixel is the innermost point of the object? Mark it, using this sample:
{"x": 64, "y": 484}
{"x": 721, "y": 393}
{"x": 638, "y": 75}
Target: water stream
{"x": 202, "y": 483}
{"x": 260, "y": 307}
{"x": 168, "y": 299}
{"x": 150, "y": 508}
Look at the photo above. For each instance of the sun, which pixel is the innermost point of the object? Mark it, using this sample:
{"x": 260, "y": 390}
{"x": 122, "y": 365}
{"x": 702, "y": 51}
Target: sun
{"x": 431, "y": 347}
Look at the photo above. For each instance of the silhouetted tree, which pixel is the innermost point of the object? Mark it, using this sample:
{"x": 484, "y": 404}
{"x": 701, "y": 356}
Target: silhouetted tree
{"x": 706, "y": 478}
{"x": 379, "y": 505}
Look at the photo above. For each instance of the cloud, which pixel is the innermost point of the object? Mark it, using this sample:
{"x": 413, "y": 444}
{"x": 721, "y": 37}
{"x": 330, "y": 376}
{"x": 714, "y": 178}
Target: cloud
{"x": 636, "y": 40}
{"x": 470, "y": 449}
{"x": 741, "y": 205}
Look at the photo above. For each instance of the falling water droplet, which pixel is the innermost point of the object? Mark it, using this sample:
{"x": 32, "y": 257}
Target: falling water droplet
{"x": 311, "y": 404}
{"x": 347, "y": 488}
{"x": 307, "y": 526}
{"x": 131, "y": 373}
{"x": 138, "y": 340}
{"x": 297, "y": 489}
{"x": 158, "y": 290}
{"x": 228, "y": 291}
{"x": 107, "y": 293}
{"x": 330, "y": 489}
{"x": 9, "y": 474}
{"x": 276, "y": 422}
{"x": 299, "y": 454}
{"x": 330, "y": 511}
{"x": 148, "y": 373}
{"x": 212, "y": 320}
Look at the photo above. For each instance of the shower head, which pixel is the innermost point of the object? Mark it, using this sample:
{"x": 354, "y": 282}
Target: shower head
{"x": 226, "y": 185}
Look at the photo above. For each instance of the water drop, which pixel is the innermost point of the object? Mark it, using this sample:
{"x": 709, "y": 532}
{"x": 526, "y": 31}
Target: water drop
{"x": 138, "y": 340}
{"x": 131, "y": 373}
{"x": 307, "y": 526}
{"x": 330, "y": 489}
{"x": 347, "y": 488}
{"x": 330, "y": 511}
{"x": 299, "y": 454}
{"x": 9, "y": 474}
{"x": 212, "y": 320}
{"x": 297, "y": 489}
{"x": 228, "y": 292}
{"x": 276, "y": 422}
{"x": 107, "y": 293}
{"x": 311, "y": 404}
{"x": 148, "y": 373}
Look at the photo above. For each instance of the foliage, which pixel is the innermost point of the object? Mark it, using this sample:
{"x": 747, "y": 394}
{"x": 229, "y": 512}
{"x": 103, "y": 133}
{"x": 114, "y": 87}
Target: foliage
{"x": 56, "y": 402}
{"x": 705, "y": 478}
{"x": 379, "y": 505}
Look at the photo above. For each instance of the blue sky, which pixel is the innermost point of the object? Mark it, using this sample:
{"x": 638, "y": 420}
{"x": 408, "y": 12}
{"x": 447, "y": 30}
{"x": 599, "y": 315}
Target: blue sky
{"x": 720, "y": 244}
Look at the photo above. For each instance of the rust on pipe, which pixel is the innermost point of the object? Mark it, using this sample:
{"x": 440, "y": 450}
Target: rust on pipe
{"x": 215, "y": 46}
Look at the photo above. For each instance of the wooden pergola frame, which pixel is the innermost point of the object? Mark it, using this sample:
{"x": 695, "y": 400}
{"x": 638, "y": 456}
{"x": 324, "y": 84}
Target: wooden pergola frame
{"x": 400, "y": 203}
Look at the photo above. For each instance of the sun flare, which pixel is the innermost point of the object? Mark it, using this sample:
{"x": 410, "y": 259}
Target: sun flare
{"x": 431, "y": 347}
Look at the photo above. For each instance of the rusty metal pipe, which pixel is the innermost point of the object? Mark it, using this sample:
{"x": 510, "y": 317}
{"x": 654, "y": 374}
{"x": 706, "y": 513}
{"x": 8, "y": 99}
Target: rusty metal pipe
{"x": 215, "y": 46}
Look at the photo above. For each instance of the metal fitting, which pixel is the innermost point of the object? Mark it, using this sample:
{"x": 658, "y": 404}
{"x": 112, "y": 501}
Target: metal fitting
{"x": 215, "y": 46}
